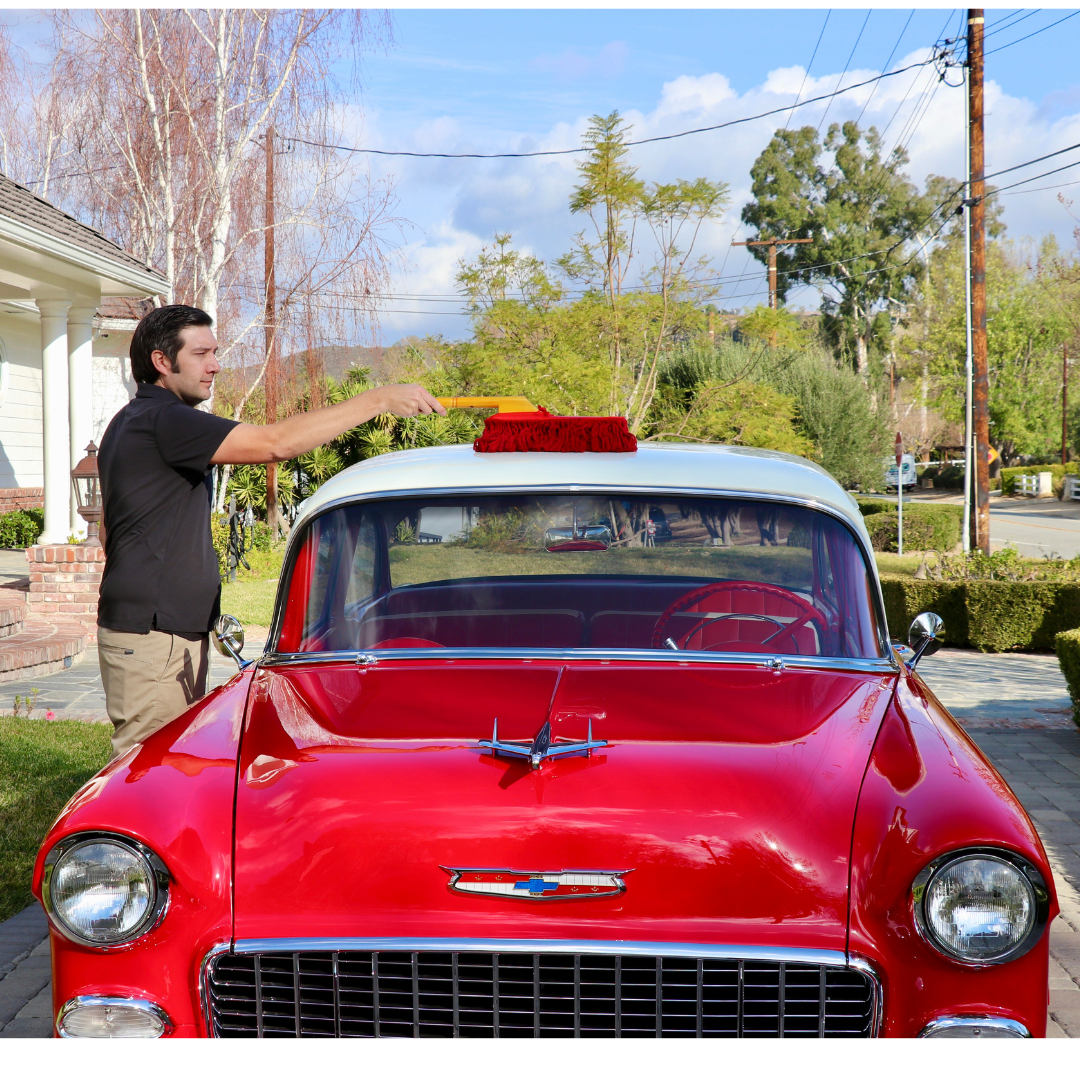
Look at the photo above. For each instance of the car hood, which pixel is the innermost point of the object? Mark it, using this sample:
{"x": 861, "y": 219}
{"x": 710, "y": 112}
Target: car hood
{"x": 725, "y": 796}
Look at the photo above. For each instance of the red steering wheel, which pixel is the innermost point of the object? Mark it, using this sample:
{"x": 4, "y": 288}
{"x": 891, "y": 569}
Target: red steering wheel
{"x": 806, "y": 612}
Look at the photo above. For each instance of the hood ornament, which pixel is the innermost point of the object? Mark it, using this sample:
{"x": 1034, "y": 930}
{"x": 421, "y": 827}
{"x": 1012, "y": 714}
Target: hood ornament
{"x": 542, "y": 747}
{"x": 536, "y": 884}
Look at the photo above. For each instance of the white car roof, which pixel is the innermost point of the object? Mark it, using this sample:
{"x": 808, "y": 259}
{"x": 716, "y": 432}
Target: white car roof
{"x": 670, "y": 467}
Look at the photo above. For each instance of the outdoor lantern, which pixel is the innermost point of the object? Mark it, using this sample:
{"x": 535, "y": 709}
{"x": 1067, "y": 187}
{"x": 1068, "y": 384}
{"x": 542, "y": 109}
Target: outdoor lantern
{"x": 84, "y": 478}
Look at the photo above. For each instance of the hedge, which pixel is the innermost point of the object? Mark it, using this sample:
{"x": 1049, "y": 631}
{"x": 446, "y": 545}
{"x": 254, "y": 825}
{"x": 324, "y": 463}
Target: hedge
{"x": 926, "y": 527}
{"x": 1067, "y": 647}
{"x": 992, "y": 616}
{"x": 1008, "y": 476}
{"x": 21, "y": 528}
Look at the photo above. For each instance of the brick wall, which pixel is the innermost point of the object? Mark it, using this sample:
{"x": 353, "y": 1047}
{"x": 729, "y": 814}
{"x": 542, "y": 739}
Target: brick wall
{"x": 64, "y": 583}
{"x": 21, "y": 499}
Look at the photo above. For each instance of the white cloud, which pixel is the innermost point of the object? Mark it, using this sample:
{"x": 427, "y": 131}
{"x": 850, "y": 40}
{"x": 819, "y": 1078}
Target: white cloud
{"x": 461, "y": 204}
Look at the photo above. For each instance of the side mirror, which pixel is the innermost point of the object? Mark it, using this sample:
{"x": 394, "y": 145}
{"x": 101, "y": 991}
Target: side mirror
{"x": 228, "y": 638}
{"x": 926, "y": 636}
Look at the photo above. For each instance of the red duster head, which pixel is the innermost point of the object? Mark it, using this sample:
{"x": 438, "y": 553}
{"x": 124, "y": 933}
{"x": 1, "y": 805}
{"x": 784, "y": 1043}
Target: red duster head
{"x": 540, "y": 432}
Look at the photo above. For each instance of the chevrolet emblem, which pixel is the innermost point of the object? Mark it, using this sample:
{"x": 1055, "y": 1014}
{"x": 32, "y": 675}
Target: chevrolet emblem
{"x": 536, "y": 884}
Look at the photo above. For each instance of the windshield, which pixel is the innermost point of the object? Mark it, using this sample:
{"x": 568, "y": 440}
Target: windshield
{"x": 580, "y": 572}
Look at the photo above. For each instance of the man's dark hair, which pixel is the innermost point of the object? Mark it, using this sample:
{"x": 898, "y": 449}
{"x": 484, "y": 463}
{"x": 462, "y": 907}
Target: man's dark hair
{"x": 161, "y": 330}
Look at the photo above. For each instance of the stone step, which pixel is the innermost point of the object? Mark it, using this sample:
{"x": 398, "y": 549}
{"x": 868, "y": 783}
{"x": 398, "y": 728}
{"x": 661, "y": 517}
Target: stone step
{"x": 42, "y": 648}
{"x": 12, "y": 612}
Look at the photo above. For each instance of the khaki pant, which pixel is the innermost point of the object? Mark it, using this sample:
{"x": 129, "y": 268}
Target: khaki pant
{"x": 149, "y": 679}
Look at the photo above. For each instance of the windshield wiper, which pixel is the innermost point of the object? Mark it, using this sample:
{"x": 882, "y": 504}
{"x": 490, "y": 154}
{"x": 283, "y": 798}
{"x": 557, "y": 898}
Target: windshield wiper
{"x": 542, "y": 748}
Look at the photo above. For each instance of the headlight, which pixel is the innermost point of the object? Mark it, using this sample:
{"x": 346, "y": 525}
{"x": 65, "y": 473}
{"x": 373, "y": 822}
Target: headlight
{"x": 104, "y": 890}
{"x": 983, "y": 907}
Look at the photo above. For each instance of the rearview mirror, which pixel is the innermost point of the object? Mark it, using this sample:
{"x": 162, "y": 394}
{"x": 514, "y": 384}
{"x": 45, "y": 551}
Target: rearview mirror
{"x": 578, "y": 538}
{"x": 926, "y": 636}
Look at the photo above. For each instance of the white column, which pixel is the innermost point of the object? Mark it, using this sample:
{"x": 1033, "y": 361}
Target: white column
{"x": 56, "y": 443}
{"x": 80, "y": 339}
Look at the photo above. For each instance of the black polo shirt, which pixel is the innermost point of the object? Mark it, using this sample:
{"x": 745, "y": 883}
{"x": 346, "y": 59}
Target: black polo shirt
{"x": 161, "y": 571}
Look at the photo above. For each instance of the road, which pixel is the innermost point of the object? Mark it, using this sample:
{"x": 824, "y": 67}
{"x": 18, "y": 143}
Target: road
{"x": 1039, "y": 528}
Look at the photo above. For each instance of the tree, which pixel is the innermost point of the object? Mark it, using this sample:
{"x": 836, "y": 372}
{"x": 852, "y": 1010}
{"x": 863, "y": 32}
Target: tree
{"x": 618, "y": 206}
{"x": 158, "y": 117}
{"x": 600, "y": 352}
{"x": 860, "y": 214}
{"x": 1029, "y": 318}
{"x": 806, "y": 403}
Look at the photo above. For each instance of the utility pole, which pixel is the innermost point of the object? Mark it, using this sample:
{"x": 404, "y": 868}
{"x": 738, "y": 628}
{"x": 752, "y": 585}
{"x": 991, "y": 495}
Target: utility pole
{"x": 980, "y": 405}
{"x": 1064, "y": 404}
{"x": 270, "y": 380}
{"x": 772, "y": 246}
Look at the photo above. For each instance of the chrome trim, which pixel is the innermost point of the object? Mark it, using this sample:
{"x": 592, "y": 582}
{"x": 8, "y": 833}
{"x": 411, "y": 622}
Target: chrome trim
{"x": 720, "y": 493}
{"x": 1019, "y": 862}
{"x": 1003, "y": 1027}
{"x": 140, "y": 1004}
{"x": 542, "y": 748}
{"x": 159, "y": 874}
{"x": 204, "y": 984}
{"x": 878, "y": 1006}
{"x": 881, "y": 666}
{"x": 826, "y": 957}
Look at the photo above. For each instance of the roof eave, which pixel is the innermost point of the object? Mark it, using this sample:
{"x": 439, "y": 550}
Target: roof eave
{"x": 141, "y": 283}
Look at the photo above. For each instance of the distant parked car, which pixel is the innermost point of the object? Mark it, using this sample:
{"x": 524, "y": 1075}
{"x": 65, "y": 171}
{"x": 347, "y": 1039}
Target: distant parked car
{"x": 907, "y": 469}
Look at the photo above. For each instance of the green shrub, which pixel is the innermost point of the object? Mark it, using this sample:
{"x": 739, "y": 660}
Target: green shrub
{"x": 926, "y": 527}
{"x": 874, "y": 506}
{"x": 1067, "y": 647}
{"x": 948, "y": 476}
{"x": 1009, "y": 485}
{"x": 256, "y": 540}
{"x": 992, "y": 616}
{"x": 21, "y": 528}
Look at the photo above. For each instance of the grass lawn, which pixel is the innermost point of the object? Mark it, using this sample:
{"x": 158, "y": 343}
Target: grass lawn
{"x": 898, "y": 564}
{"x": 410, "y": 565}
{"x": 42, "y": 764}
{"x": 251, "y": 596}
{"x": 252, "y": 602}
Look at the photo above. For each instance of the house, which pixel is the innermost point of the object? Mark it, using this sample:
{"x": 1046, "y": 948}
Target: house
{"x": 69, "y": 301}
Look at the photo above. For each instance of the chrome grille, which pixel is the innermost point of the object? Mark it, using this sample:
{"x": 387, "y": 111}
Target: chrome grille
{"x": 431, "y": 994}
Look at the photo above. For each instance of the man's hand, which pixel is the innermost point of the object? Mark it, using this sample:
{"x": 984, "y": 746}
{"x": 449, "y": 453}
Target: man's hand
{"x": 405, "y": 399}
{"x": 257, "y": 444}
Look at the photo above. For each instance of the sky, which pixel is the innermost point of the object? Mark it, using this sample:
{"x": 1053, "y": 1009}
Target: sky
{"x": 495, "y": 81}
{"x": 458, "y": 81}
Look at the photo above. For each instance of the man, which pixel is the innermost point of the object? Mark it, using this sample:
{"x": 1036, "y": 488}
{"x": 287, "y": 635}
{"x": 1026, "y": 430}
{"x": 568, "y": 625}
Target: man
{"x": 160, "y": 592}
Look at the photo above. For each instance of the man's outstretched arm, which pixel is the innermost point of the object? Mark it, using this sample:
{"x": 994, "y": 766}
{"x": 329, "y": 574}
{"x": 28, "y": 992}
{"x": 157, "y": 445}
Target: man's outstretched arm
{"x": 257, "y": 444}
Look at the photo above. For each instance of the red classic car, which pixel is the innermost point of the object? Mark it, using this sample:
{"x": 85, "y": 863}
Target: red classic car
{"x": 514, "y": 763}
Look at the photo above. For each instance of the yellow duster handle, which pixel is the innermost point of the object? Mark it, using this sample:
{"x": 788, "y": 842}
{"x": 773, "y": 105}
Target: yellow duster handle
{"x": 503, "y": 404}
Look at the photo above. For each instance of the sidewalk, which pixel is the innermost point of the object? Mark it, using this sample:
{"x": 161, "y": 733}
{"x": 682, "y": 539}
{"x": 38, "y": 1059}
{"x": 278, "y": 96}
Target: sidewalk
{"x": 1015, "y": 707}
{"x": 77, "y": 693}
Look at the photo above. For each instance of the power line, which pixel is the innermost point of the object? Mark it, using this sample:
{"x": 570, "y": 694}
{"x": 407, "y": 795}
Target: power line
{"x": 1005, "y": 19}
{"x": 630, "y": 142}
{"x": 742, "y": 276}
{"x": 1050, "y": 26}
{"x": 885, "y": 66}
{"x": 813, "y": 56}
{"x": 1027, "y": 180}
{"x": 847, "y": 67}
